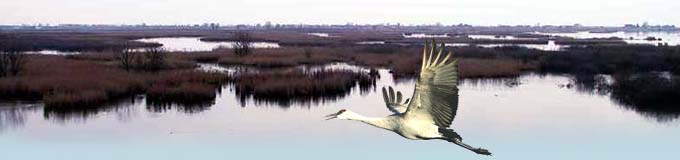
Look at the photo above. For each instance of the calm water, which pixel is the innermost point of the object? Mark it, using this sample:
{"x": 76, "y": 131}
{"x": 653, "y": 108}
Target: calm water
{"x": 551, "y": 46}
{"x": 498, "y": 37}
{"x": 423, "y": 35}
{"x": 194, "y": 44}
{"x": 530, "y": 117}
{"x": 52, "y": 52}
{"x": 670, "y": 38}
{"x": 371, "y": 42}
{"x": 321, "y": 35}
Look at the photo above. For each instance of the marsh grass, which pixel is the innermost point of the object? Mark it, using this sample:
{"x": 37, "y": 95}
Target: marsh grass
{"x": 404, "y": 61}
{"x": 283, "y": 57}
{"x": 185, "y": 94}
{"x": 94, "y": 78}
{"x": 64, "y": 82}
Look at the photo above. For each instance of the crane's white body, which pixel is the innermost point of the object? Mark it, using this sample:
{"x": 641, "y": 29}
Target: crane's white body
{"x": 410, "y": 128}
{"x": 431, "y": 109}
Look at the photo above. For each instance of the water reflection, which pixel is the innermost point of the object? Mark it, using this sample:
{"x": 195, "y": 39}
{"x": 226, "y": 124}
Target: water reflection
{"x": 15, "y": 116}
{"x": 184, "y": 108}
{"x": 653, "y": 95}
{"x": 495, "y": 83}
{"x": 301, "y": 87}
{"x": 550, "y": 46}
{"x": 247, "y": 98}
{"x": 588, "y": 83}
{"x": 324, "y": 83}
{"x": 653, "y": 38}
{"x": 124, "y": 111}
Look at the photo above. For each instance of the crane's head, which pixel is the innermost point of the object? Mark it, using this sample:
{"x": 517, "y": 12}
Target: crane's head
{"x": 338, "y": 115}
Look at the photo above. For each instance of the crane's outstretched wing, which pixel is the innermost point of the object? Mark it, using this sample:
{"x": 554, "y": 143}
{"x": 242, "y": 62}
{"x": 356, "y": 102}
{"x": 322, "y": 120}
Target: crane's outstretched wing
{"x": 393, "y": 101}
{"x": 436, "y": 93}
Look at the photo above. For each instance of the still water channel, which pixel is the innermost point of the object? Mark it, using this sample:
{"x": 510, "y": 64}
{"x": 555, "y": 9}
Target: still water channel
{"x": 528, "y": 117}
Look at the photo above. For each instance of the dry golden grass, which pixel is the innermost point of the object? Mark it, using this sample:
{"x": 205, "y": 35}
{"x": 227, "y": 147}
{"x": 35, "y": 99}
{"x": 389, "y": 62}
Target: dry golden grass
{"x": 486, "y": 68}
{"x": 282, "y": 57}
{"x": 404, "y": 61}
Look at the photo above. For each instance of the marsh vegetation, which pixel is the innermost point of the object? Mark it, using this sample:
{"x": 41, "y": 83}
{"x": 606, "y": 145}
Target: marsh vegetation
{"x": 115, "y": 65}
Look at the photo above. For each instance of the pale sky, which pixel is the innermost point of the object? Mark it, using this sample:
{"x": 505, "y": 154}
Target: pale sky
{"x": 476, "y": 12}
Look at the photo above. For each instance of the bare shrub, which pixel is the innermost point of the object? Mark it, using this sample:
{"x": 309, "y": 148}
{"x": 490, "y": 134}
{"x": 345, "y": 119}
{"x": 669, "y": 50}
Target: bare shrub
{"x": 242, "y": 43}
{"x": 3, "y": 64}
{"x": 155, "y": 59}
{"x": 11, "y": 63}
{"x": 12, "y": 58}
{"x": 125, "y": 57}
{"x": 150, "y": 59}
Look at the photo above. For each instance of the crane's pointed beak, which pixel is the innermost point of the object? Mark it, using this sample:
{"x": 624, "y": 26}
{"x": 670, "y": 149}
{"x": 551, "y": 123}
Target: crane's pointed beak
{"x": 331, "y": 116}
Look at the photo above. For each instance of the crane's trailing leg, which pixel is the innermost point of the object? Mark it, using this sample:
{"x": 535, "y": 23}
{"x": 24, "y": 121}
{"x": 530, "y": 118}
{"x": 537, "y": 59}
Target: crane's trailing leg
{"x": 450, "y": 133}
{"x": 453, "y": 137}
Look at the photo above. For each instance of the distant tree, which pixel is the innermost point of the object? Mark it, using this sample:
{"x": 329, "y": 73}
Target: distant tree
{"x": 16, "y": 61}
{"x": 11, "y": 63}
{"x": 125, "y": 56}
{"x": 242, "y": 43}
{"x": 12, "y": 58}
{"x": 154, "y": 59}
{"x": 3, "y": 64}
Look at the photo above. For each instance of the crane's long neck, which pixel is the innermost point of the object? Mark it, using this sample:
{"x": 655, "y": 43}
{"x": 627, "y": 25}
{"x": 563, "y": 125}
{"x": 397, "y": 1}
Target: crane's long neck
{"x": 374, "y": 121}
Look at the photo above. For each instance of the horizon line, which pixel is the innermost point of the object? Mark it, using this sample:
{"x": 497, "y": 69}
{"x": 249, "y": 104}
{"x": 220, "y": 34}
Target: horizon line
{"x": 332, "y": 24}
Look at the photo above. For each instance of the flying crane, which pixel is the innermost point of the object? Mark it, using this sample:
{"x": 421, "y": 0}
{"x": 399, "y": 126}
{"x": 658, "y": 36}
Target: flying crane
{"x": 431, "y": 109}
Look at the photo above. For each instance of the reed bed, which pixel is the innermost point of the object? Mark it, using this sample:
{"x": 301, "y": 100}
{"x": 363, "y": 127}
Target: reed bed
{"x": 63, "y": 82}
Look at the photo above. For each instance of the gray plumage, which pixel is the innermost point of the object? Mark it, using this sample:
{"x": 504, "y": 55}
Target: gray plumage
{"x": 393, "y": 103}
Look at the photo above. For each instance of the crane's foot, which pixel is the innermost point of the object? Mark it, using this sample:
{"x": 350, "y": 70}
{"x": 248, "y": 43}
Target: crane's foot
{"x": 482, "y": 151}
